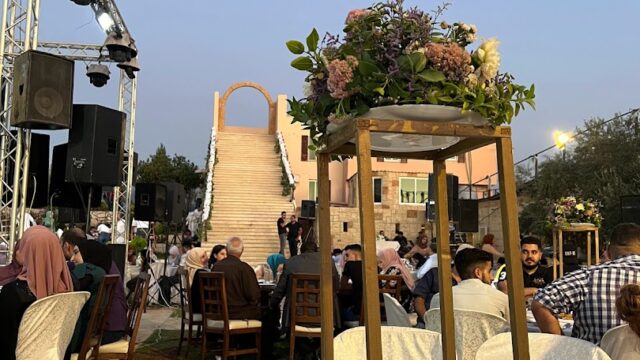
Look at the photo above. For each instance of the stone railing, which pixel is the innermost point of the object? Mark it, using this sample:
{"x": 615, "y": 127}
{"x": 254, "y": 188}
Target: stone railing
{"x": 209, "y": 191}
{"x": 288, "y": 180}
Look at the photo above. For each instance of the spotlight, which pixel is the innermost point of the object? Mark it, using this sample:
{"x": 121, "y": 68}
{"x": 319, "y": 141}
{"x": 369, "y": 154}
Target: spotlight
{"x": 130, "y": 67}
{"x": 98, "y": 74}
{"x": 121, "y": 47}
{"x": 561, "y": 139}
{"x": 105, "y": 21}
{"x": 82, "y": 2}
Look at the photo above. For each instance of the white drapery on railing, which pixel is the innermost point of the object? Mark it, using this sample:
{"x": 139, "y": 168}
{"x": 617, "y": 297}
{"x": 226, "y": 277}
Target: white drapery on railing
{"x": 209, "y": 192}
{"x": 285, "y": 159}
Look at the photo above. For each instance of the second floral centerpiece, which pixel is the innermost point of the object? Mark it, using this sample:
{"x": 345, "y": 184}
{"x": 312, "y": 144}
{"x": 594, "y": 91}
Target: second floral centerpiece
{"x": 389, "y": 55}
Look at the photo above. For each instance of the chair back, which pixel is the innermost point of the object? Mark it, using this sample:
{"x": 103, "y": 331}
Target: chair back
{"x": 396, "y": 314}
{"x": 397, "y": 343}
{"x": 542, "y": 347}
{"x": 99, "y": 313}
{"x": 472, "y": 328}
{"x": 213, "y": 294}
{"x": 621, "y": 342}
{"x": 47, "y": 326}
{"x": 136, "y": 310}
{"x": 305, "y": 299}
{"x": 387, "y": 284}
{"x": 184, "y": 293}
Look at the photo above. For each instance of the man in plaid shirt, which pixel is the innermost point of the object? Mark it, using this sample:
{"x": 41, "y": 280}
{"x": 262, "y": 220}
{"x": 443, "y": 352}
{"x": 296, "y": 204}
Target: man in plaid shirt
{"x": 590, "y": 294}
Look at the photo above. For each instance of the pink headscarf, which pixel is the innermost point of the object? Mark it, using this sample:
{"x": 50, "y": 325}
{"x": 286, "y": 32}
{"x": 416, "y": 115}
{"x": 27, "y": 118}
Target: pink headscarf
{"x": 10, "y": 272}
{"x": 44, "y": 267}
{"x": 389, "y": 258}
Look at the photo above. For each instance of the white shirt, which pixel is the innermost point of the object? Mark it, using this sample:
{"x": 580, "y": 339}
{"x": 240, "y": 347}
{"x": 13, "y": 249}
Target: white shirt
{"x": 431, "y": 263}
{"x": 29, "y": 221}
{"x": 102, "y": 228}
{"x": 621, "y": 343}
{"x": 474, "y": 295}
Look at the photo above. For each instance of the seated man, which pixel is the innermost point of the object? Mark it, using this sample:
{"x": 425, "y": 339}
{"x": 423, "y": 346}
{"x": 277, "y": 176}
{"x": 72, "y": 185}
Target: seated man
{"x": 307, "y": 262}
{"x": 535, "y": 276}
{"x": 474, "y": 292}
{"x": 432, "y": 260}
{"x": 243, "y": 291}
{"x": 590, "y": 294}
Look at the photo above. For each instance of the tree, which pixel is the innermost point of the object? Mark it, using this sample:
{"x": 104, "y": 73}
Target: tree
{"x": 603, "y": 164}
{"x": 160, "y": 167}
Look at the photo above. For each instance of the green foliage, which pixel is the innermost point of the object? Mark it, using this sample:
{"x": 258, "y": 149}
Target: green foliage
{"x": 138, "y": 243}
{"x": 161, "y": 167}
{"x": 601, "y": 164}
{"x": 382, "y": 59}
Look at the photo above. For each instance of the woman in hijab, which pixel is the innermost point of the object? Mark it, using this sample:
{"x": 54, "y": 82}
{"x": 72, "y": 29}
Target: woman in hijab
{"x": 197, "y": 262}
{"x": 96, "y": 253}
{"x": 219, "y": 252}
{"x": 390, "y": 263}
{"x": 43, "y": 273}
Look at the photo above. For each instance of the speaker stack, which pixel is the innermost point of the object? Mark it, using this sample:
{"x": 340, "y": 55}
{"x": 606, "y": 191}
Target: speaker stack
{"x": 164, "y": 202}
{"x": 630, "y": 208}
{"x": 462, "y": 211}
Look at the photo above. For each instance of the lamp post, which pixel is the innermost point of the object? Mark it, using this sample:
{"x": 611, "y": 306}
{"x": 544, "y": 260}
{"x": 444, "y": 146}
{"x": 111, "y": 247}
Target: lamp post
{"x": 561, "y": 138}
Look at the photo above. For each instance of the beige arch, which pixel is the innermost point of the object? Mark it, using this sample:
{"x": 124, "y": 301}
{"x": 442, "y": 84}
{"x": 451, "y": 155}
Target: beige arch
{"x": 223, "y": 104}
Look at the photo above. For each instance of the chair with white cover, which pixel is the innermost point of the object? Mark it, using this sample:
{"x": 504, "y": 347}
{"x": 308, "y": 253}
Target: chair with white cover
{"x": 472, "y": 328}
{"x": 542, "y": 347}
{"x": 47, "y": 326}
{"x": 124, "y": 348}
{"x": 397, "y": 343}
{"x": 396, "y": 314}
{"x": 621, "y": 342}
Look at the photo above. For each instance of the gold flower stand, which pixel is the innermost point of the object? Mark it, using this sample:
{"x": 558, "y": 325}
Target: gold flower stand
{"x": 341, "y": 142}
{"x": 558, "y": 244}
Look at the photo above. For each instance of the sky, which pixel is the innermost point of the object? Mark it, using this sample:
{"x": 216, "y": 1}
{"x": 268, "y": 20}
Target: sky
{"x": 582, "y": 56}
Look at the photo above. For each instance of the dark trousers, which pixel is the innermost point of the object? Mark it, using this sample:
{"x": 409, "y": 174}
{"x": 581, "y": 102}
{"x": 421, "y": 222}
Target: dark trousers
{"x": 293, "y": 247}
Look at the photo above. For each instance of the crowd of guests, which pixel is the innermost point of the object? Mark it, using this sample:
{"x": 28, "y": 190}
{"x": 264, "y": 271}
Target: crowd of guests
{"x": 45, "y": 265}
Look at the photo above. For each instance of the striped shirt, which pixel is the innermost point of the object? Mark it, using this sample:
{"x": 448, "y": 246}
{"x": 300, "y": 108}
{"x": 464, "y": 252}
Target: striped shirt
{"x": 590, "y": 295}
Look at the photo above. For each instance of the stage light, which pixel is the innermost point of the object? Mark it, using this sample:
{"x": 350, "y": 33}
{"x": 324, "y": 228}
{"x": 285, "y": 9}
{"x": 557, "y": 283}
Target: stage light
{"x": 98, "y": 74}
{"x": 121, "y": 47}
{"x": 130, "y": 67}
{"x": 105, "y": 21}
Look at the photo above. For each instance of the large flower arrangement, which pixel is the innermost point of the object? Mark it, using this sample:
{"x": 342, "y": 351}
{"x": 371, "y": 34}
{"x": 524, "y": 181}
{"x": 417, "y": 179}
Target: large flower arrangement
{"x": 568, "y": 210}
{"x": 392, "y": 55}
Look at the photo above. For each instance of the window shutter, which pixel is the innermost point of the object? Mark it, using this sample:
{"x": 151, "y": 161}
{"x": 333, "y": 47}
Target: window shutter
{"x": 380, "y": 159}
{"x": 304, "y": 151}
{"x": 461, "y": 158}
{"x": 404, "y": 161}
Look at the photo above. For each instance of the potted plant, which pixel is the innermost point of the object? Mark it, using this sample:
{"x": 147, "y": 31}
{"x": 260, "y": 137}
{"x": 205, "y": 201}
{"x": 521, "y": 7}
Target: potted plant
{"x": 571, "y": 211}
{"x": 389, "y": 56}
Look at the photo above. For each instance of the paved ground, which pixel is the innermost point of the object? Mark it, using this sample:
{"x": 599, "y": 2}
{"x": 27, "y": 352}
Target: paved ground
{"x": 157, "y": 318}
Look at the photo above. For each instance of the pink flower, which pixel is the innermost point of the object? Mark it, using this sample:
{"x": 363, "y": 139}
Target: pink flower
{"x": 355, "y": 14}
{"x": 340, "y": 75}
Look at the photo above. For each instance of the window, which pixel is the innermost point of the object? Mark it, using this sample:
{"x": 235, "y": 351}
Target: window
{"x": 313, "y": 190}
{"x": 413, "y": 190}
{"x": 377, "y": 190}
{"x": 306, "y": 154}
{"x": 397, "y": 160}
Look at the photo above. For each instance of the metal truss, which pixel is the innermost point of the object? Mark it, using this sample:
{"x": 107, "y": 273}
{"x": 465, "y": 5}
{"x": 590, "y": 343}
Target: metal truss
{"x": 127, "y": 104}
{"x": 19, "y": 32}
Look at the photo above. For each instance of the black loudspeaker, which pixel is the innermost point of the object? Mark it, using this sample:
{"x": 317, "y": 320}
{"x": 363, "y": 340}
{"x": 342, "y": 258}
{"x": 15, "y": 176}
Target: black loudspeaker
{"x": 95, "y": 149}
{"x": 176, "y": 203}
{"x": 308, "y": 209}
{"x": 452, "y": 197}
{"x": 119, "y": 256}
{"x": 70, "y": 195}
{"x": 38, "y": 178}
{"x": 42, "y": 91}
{"x": 468, "y": 216}
{"x": 151, "y": 202}
{"x": 71, "y": 216}
{"x": 630, "y": 208}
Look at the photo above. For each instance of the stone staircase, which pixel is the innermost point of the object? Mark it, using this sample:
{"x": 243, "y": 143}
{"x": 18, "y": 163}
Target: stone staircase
{"x": 247, "y": 194}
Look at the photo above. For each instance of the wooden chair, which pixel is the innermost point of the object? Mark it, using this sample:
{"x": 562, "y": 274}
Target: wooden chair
{"x": 215, "y": 314}
{"x": 93, "y": 335}
{"x": 387, "y": 284}
{"x": 124, "y": 349}
{"x": 188, "y": 317}
{"x": 305, "y": 308}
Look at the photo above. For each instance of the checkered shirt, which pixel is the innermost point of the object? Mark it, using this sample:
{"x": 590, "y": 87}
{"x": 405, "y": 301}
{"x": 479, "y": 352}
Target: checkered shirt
{"x": 590, "y": 295}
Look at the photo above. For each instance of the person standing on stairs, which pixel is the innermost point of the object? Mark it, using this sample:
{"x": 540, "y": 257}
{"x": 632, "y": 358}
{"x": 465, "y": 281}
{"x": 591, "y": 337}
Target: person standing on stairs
{"x": 292, "y": 234}
{"x": 282, "y": 230}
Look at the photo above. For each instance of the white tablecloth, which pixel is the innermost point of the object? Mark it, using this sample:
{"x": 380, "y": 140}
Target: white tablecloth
{"x": 532, "y": 325}
{"x": 381, "y": 245}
